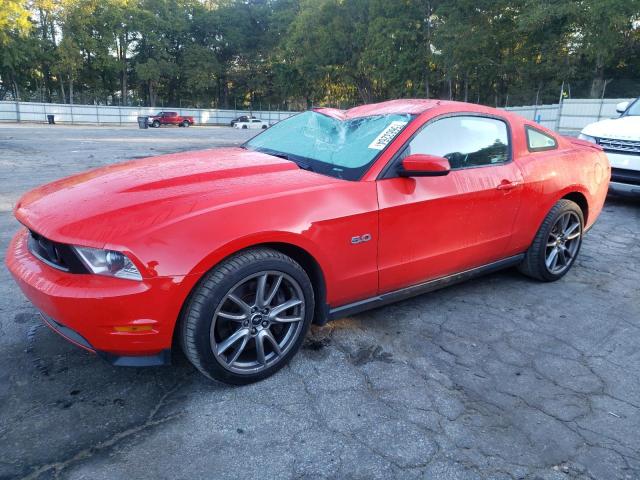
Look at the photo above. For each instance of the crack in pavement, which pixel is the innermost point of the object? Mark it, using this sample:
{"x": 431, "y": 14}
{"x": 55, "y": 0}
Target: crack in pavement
{"x": 85, "y": 454}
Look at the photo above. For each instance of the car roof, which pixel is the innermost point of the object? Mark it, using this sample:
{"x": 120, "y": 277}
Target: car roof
{"x": 412, "y": 106}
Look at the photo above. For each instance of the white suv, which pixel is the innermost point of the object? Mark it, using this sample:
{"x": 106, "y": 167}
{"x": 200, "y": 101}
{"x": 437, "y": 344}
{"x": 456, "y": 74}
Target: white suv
{"x": 620, "y": 139}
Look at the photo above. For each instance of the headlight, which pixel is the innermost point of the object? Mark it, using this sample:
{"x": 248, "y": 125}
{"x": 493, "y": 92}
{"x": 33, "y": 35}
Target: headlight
{"x": 588, "y": 138}
{"x": 108, "y": 262}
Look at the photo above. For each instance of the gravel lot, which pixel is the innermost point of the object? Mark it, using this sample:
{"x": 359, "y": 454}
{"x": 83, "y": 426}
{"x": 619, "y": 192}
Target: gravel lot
{"x": 500, "y": 377}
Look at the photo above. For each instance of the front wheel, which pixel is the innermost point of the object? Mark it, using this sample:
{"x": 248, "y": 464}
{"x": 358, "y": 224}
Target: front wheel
{"x": 248, "y": 316}
{"x": 557, "y": 243}
{"x": 156, "y": 124}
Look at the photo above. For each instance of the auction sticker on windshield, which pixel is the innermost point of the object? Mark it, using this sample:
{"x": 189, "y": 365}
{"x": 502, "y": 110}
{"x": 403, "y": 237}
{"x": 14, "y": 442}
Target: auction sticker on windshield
{"x": 387, "y": 135}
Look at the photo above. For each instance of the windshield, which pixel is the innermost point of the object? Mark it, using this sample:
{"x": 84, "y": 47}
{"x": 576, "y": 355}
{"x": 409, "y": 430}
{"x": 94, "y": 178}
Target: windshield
{"x": 634, "y": 109}
{"x": 331, "y": 146}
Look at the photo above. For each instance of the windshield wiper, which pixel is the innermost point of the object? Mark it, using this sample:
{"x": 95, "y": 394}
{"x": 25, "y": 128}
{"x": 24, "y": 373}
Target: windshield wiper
{"x": 292, "y": 158}
{"x": 305, "y": 166}
{"x": 280, "y": 155}
{"x": 274, "y": 153}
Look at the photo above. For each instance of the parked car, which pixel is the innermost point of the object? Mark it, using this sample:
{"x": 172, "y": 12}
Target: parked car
{"x": 170, "y": 118}
{"x": 241, "y": 118}
{"x": 232, "y": 253}
{"x": 252, "y": 123}
{"x": 620, "y": 139}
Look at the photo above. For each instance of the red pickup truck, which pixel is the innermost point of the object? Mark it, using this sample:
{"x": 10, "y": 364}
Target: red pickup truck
{"x": 170, "y": 118}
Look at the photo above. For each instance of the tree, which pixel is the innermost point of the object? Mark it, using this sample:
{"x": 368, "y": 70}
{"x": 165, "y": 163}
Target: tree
{"x": 120, "y": 18}
{"x": 14, "y": 20}
{"x": 14, "y": 28}
{"x": 604, "y": 28}
{"x": 306, "y": 52}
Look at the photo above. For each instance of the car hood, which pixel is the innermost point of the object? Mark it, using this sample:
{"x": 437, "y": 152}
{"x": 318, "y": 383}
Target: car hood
{"x": 623, "y": 128}
{"x": 108, "y": 205}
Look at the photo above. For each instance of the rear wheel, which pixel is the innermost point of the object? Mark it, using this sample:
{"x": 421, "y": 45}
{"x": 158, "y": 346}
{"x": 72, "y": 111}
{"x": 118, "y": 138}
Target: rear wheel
{"x": 557, "y": 243}
{"x": 185, "y": 123}
{"x": 248, "y": 316}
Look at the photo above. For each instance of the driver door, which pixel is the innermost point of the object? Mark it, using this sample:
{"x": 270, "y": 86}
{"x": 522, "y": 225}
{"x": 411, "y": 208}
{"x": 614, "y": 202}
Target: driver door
{"x": 430, "y": 227}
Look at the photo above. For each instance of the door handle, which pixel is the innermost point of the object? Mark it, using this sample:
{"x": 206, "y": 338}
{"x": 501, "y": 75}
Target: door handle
{"x": 509, "y": 185}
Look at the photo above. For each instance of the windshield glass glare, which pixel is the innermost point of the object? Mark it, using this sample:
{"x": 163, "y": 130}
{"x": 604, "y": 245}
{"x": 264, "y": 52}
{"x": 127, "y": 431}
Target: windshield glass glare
{"x": 340, "y": 148}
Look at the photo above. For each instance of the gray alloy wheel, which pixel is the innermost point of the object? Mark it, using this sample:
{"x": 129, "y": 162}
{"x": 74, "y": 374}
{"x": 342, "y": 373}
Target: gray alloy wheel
{"x": 185, "y": 123}
{"x": 156, "y": 124}
{"x": 257, "y": 322}
{"x": 563, "y": 243}
{"x": 247, "y": 316}
{"x": 557, "y": 243}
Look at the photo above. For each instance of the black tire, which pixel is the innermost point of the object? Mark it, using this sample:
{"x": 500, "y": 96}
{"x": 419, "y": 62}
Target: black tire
{"x": 264, "y": 127}
{"x": 534, "y": 264}
{"x": 155, "y": 124}
{"x": 206, "y": 303}
{"x": 244, "y": 127}
{"x": 185, "y": 123}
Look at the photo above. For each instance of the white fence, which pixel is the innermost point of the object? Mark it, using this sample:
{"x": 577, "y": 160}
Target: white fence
{"x": 572, "y": 115}
{"x": 568, "y": 117}
{"x": 102, "y": 115}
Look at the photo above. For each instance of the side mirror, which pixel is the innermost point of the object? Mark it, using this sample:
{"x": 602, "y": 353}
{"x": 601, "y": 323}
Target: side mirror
{"x": 622, "y": 107}
{"x": 419, "y": 165}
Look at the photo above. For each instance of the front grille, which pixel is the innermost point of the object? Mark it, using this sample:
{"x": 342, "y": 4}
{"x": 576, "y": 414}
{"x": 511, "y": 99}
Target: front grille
{"x": 622, "y": 175}
{"x": 54, "y": 254}
{"x": 620, "y": 146}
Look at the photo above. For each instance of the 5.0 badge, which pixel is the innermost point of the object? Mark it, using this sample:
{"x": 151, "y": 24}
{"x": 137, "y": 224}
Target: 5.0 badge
{"x": 361, "y": 238}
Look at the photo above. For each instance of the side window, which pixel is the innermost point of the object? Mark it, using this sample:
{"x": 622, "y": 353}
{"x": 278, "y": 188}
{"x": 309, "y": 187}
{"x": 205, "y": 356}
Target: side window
{"x": 538, "y": 141}
{"x": 466, "y": 141}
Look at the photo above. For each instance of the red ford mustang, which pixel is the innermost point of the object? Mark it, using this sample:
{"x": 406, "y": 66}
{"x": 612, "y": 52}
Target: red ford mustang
{"x": 232, "y": 253}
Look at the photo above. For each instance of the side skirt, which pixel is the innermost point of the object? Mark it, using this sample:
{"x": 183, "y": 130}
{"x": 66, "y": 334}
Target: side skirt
{"x": 412, "y": 291}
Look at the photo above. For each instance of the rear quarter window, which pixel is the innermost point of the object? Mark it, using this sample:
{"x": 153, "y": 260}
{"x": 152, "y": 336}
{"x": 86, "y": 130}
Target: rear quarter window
{"x": 538, "y": 141}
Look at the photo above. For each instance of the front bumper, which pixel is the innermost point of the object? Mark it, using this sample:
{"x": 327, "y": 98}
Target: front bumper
{"x": 625, "y": 173}
{"x": 624, "y": 189}
{"x": 95, "y": 312}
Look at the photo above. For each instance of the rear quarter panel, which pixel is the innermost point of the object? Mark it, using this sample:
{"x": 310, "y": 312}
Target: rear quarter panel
{"x": 553, "y": 174}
